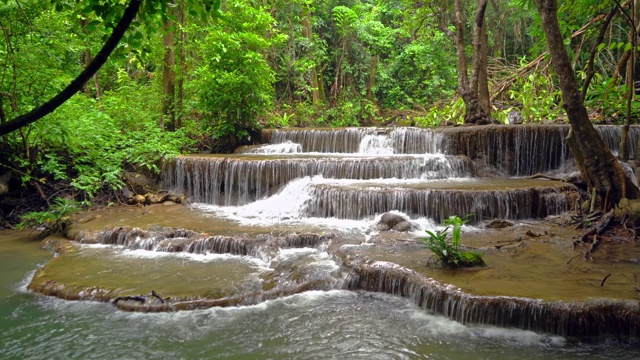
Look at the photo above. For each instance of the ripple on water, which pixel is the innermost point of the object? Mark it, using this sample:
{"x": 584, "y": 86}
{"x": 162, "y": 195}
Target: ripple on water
{"x": 317, "y": 324}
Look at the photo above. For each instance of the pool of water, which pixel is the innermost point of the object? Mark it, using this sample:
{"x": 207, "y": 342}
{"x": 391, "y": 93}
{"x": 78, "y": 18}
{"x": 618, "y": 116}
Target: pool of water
{"x": 313, "y": 325}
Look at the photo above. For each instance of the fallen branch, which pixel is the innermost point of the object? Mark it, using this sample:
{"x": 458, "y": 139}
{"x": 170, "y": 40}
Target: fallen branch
{"x": 543, "y": 176}
{"x": 605, "y": 279}
{"x": 594, "y": 244}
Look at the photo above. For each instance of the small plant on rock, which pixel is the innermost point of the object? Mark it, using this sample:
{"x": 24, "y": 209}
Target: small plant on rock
{"x": 52, "y": 221}
{"x": 450, "y": 253}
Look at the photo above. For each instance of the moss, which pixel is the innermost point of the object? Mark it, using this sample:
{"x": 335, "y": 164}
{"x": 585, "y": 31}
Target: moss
{"x": 629, "y": 209}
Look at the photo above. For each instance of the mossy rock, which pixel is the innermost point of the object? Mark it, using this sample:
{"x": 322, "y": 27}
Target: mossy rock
{"x": 629, "y": 209}
{"x": 467, "y": 259}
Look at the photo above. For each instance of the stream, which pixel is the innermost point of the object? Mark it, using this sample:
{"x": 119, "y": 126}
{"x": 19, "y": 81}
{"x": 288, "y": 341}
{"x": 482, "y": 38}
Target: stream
{"x": 283, "y": 253}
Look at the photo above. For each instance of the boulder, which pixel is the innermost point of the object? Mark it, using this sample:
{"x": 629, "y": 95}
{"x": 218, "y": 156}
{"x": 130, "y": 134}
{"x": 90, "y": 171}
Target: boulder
{"x": 499, "y": 224}
{"x": 397, "y": 222}
{"x": 139, "y": 183}
{"x": 391, "y": 219}
{"x": 405, "y": 226}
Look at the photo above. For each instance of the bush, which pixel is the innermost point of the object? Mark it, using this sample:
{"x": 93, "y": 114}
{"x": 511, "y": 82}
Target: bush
{"x": 89, "y": 144}
{"x": 52, "y": 221}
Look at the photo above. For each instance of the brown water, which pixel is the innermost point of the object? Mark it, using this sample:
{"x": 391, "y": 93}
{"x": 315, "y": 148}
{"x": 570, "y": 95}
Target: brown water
{"x": 531, "y": 259}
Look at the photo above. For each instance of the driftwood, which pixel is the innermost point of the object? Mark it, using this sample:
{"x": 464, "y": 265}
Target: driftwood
{"x": 544, "y": 176}
{"x": 605, "y": 279}
{"x": 141, "y": 299}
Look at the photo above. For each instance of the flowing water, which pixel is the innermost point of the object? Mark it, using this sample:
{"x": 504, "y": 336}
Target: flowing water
{"x": 333, "y": 324}
{"x": 281, "y": 255}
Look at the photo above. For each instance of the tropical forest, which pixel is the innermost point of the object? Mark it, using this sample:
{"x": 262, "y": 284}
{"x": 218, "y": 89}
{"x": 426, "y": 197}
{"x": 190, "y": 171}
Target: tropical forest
{"x": 379, "y": 179}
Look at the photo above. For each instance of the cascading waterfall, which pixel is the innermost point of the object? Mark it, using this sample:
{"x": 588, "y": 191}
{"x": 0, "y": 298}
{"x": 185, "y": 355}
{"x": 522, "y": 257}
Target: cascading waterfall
{"x": 349, "y": 202}
{"x": 237, "y": 181}
{"x": 322, "y": 176}
{"x": 576, "y": 319}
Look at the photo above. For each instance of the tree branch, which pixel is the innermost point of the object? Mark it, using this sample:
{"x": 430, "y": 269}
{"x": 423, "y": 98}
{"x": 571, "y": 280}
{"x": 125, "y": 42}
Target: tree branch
{"x": 76, "y": 85}
{"x": 590, "y": 71}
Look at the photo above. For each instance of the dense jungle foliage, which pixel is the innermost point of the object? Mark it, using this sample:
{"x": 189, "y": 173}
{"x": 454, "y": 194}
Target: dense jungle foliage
{"x": 183, "y": 80}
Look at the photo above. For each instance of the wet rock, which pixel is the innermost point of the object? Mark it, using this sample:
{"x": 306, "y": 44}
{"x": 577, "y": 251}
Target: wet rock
{"x": 153, "y": 198}
{"x": 499, "y": 224}
{"x": 405, "y": 226}
{"x": 138, "y": 182}
{"x": 397, "y": 222}
{"x": 137, "y": 199}
{"x": 515, "y": 117}
{"x": 178, "y": 199}
{"x": 391, "y": 219}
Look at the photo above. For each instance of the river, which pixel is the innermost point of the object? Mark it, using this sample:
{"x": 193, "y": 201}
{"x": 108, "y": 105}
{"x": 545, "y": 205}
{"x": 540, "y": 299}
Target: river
{"x": 334, "y": 324}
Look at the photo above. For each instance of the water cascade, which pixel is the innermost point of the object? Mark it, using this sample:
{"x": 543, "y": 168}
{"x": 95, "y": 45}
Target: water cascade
{"x": 305, "y": 206}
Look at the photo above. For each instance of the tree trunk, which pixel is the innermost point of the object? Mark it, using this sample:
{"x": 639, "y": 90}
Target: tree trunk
{"x": 630, "y": 81}
{"x": 87, "y": 60}
{"x": 182, "y": 43}
{"x": 373, "y": 70}
{"x": 598, "y": 166}
{"x": 76, "y": 85}
{"x": 168, "y": 76}
{"x": 460, "y": 53}
{"x": 484, "y": 98}
{"x": 474, "y": 91}
{"x": 307, "y": 31}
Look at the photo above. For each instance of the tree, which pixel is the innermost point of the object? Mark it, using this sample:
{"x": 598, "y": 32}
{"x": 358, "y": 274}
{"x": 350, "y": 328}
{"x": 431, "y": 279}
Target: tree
{"x": 168, "y": 75}
{"x": 234, "y": 81}
{"x": 601, "y": 170}
{"x": 474, "y": 89}
{"x": 76, "y": 85}
{"x": 132, "y": 9}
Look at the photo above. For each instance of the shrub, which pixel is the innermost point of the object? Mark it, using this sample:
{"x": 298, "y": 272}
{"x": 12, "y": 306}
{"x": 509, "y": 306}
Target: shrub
{"x": 52, "y": 221}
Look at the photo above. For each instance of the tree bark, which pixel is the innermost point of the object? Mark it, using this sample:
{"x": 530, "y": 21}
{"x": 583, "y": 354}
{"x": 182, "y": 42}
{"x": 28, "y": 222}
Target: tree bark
{"x": 168, "y": 76}
{"x": 460, "y": 53}
{"x": 630, "y": 81}
{"x": 474, "y": 90}
{"x": 182, "y": 43}
{"x": 76, "y": 84}
{"x": 598, "y": 166}
{"x": 307, "y": 31}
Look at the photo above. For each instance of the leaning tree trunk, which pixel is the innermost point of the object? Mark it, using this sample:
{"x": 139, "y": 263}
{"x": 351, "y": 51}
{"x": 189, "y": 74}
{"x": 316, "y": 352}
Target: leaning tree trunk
{"x": 598, "y": 166}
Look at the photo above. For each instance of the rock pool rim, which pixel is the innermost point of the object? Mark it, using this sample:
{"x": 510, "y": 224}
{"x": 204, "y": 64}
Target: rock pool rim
{"x": 582, "y": 319}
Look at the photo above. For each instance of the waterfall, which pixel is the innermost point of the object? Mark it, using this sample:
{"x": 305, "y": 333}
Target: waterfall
{"x": 351, "y": 201}
{"x": 576, "y": 319}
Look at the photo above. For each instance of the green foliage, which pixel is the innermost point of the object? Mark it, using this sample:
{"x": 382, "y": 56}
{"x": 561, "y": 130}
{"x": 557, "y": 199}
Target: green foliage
{"x": 450, "y": 253}
{"x": 447, "y": 112}
{"x": 235, "y": 83}
{"x": 610, "y": 99}
{"x": 422, "y": 73}
{"x": 89, "y": 144}
{"x": 538, "y": 97}
{"x": 51, "y": 221}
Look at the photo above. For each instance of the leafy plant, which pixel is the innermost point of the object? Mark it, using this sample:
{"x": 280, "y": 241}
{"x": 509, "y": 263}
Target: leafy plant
{"x": 540, "y": 98}
{"x": 450, "y": 253}
{"x": 452, "y": 111}
{"x": 52, "y": 221}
